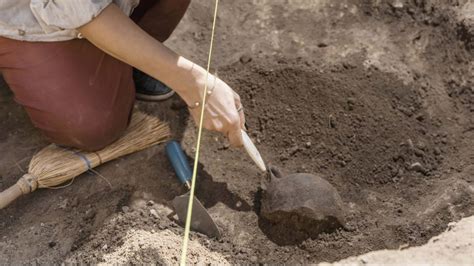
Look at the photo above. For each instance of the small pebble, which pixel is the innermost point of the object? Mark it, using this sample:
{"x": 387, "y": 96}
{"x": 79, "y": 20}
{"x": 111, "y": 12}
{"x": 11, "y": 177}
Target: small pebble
{"x": 406, "y": 111}
{"x": 420, "y": 117}
{"x": 52, "y": 244}
{"x": 451, "y": 225}
{"x": 244, "y": 59}
{"x": 437, "y": 151}
{"x": 150, "y": 203}
{"x": 350, "y": 103}
{"x": 421, "y": 145}
{"x": 417, "y": 167}
{"x": 308, "y": 144}
{"x": 284, "y": 157}
{"x": 104, "y": 247}
{"x": 332, "y": 122}
{"x": 397, "y": 4}
{"x": 400, "y": 172}
{"x": 410, "y": 144}
{"x": 154, "y": 213}
{"x": 238, "y": 204}
{"x": 89, "y": 214}
{"x": 293, "y": 150}
{"x": 125, "y": 209}
{"x": 419, "y": 152}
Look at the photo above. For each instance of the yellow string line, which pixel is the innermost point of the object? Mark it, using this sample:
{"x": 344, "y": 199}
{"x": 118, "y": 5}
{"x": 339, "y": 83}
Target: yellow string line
{"x": 198, "y": 145}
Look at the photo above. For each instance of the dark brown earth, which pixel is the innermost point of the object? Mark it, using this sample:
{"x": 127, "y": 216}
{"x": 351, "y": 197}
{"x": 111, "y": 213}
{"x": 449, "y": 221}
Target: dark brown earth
{"x": 378, "y": 98}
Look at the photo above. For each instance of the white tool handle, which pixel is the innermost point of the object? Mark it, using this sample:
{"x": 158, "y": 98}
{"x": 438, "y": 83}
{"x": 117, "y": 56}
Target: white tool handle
{"x": 253, "y": 152}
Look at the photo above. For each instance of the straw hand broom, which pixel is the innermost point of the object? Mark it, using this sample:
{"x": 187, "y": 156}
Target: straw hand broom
{"x": 54, "y": 165}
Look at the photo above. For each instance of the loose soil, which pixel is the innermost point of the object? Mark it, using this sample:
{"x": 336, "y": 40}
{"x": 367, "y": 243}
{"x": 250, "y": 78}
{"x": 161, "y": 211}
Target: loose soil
{"x": 376, "y": 97}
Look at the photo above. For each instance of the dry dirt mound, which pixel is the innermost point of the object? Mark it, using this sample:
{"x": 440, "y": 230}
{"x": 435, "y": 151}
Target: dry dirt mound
{"x": 141, "y": 236}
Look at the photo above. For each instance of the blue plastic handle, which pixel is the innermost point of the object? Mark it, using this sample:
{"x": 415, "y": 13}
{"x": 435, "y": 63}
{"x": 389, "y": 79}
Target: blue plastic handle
{"x": 179, "y": 161}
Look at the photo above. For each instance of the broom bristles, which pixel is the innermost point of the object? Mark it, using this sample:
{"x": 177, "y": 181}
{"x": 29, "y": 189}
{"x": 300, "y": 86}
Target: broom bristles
{"x": 55, "y": 165}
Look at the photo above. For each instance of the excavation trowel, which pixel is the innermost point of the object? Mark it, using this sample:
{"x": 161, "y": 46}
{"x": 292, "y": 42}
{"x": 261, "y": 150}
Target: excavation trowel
{"x": 201, "y": 220}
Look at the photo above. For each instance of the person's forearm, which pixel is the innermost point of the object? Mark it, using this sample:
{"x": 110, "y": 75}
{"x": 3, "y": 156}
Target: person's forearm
{"x": 116, "y": 34}
{"x": 119, "y": 36}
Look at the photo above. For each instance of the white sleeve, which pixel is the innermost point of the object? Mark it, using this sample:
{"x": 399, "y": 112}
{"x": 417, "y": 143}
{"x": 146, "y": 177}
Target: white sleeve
{"x": 54, "y": 15}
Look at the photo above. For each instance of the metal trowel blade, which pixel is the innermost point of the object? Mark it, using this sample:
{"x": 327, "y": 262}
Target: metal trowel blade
{"x": 201, "y": 220}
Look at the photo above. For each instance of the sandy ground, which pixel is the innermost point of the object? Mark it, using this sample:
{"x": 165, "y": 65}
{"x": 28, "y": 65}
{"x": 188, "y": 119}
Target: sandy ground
{"x": 375, "y": 95}
{"x": 453, "y": 247}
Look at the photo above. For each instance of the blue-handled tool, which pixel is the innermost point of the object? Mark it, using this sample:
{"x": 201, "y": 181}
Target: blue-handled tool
{"x": 201, "y": 220}
{"x": 179, "y": 162}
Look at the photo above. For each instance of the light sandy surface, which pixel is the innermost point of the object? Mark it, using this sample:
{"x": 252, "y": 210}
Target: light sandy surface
{"x": 453, "y": 247}
{"x": 165, "y": 246}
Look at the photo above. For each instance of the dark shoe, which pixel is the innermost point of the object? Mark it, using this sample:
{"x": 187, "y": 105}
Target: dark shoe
{"x": 150, "y": 89}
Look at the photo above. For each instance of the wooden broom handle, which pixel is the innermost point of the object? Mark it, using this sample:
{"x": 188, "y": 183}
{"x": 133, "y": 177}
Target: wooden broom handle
{"x": 9, "y": 195}
{"x": 24, "y": 185}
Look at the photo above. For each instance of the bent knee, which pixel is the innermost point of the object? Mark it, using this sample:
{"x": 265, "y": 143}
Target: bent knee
{"x": 100, "y": 133}
{"x": 90, "y": 141}
{"x": 91, "y": 135}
